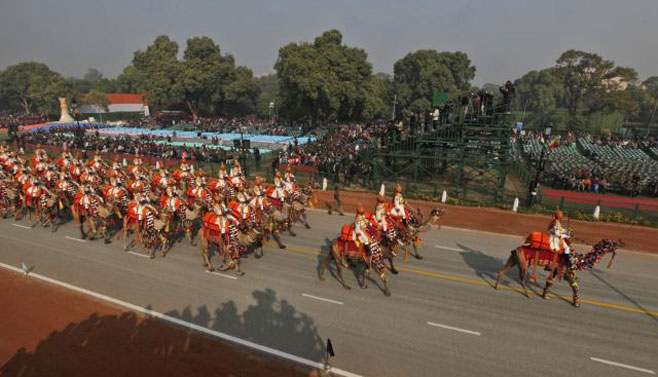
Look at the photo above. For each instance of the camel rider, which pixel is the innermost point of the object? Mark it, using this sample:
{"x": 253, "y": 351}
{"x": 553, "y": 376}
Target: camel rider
{"x": 258, "y": 194}
{"x": 557, "y": 234}
{"x": 243, "y": 203}
{"x": 33, "y": 191}
{"x": 50, "y": 176}
{"x": 289, "y": 181}
{"x": 170, "y": 201}
{"x": 399, "y": 210}
{"x": 236, "y": 174}
{"x": 236, "y": 170}
{"x": 360, "y": 234}
{"x": 381, "y": 212}
{"x": 289, "y": 176}
{"x": 222, "y": 174}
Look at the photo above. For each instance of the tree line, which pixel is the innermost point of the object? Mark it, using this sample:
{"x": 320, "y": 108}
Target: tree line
{"x": 327, "y": 80}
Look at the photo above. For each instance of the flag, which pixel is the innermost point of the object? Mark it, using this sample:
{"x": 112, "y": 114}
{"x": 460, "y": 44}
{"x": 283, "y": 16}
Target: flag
{"x": 330, "y": 348}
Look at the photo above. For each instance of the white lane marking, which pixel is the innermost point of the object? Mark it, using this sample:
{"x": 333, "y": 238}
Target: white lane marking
{"x": 454, "y": 328}
{"x": 139, "y": 254}
{"x": 222, "y": 275}
{"x": 622, "y": 365}
{"x": 448, "y": 248}
{"x": 193, "y": 326}
{"x": 322, "y": 299}
{"x": 22, "y": 226}
{"x": 74, "y": 239}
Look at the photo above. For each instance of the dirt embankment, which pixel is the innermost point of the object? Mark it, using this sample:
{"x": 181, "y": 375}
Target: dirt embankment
{"x": 637, "y": 238}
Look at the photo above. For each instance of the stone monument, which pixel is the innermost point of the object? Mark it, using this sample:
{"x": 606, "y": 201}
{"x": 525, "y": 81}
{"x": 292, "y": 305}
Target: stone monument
{"x": 65, "y": 117}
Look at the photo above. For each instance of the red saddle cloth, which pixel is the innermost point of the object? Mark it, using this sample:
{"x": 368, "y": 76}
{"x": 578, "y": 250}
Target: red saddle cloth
{"x": 350, "y": 250}
{"x": 544, "y": 257}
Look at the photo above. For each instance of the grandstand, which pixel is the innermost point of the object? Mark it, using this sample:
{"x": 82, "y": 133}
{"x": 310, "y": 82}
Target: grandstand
{"x": 624, "y": 169}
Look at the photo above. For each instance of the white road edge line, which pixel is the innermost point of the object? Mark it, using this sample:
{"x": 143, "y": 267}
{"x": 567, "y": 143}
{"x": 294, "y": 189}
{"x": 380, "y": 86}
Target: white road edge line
{"x": 322, "y": 299}
{"x": 21, "y": 226}
{"x": 74, "y": 239}
{"x": 138, "y": 254}
{"x": 180, "y": 322}
{"x": 622, "y": 365}
{"x": 454, "y": 328}
{"x": 448, "y": 248}
{"x": 222, "y": 275}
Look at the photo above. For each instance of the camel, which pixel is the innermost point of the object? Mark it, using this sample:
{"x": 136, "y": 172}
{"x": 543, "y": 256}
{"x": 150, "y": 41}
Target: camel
{"x": 211, "y": 235}
{"x": 558, "y": 265}
{"x": 342, "y": 250}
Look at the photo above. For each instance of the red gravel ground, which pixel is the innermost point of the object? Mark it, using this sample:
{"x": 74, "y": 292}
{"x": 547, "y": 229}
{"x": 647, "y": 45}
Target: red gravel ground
{"x": 635, "y": 237}
{"x": 48, "y": 331}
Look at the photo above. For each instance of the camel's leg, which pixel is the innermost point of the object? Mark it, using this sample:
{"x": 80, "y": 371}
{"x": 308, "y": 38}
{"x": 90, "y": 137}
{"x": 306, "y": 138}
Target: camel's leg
{"x": 188, "y": 234}
{"x": 305, "y": 221}
{"x": 92, "y": 228}
{"x": 165, "y": 242}
{"x": 323, "y": 266}
{"x": 364, "y": 276}
{"x": 549, "y": 282}
{"x": 106, "y": 235}
{"x": 394, "y": 271}
{"x": 277, "y": 238}
{"x": 522, "y": 274}
{"x": 238, "y": 272}
{"x": 125, "y": 236}
{"x": 573, "y": 282}
{"x": 511, "y": 262}
{"x": 293, "y": 234}
{"x": 384, "y": 279}
{"x": 416, "y": 253}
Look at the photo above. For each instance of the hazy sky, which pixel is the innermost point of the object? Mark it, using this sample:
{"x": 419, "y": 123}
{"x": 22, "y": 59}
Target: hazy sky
{"x": 504, "y": 38}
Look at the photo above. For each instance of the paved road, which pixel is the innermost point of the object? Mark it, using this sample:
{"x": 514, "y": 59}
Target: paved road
{"x": 442, "y": 319}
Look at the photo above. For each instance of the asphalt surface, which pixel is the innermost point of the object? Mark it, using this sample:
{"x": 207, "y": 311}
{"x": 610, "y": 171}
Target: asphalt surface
{"x": 443, "y": 318}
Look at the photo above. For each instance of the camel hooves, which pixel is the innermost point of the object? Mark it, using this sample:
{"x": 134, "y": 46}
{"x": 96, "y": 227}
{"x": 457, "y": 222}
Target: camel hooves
{"x": 387, "y": 293}
{"x": 394, "y": 272}
{"x": 240, "y": 273}
{"x": 308, "y": 226}
{"x": 419, "y": 257}
{"x": 347, "y": 287}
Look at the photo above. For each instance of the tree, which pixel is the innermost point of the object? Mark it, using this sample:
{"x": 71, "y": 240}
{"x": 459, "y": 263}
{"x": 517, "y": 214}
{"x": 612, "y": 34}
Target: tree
{"x": 379, "y": 103}
{"x": 157, "y": 70}
{"x": 540, "y": 91}
{"x": 96, "y": 98}
{"x": 324, "y": 80}
{"x": 32, "y": 86}
{"x": 129, "y": 80}
{"x": 268, "y": 91}
{"x": 583, "y": 75}
{"x": 421, "y": 73}
{"x": 241, "y": 95}
{"x": 652, "y": 85}
{"x": 203, "y": 72}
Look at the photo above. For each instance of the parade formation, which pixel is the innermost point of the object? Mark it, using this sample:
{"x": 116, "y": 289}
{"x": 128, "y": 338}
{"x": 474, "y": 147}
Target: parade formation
{"x": 154, "y": 208}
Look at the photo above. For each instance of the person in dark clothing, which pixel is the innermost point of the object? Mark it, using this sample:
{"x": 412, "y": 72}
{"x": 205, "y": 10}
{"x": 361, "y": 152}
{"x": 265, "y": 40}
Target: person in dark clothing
{"x": 508, "y": 91}
{"x": 338, "y": 203}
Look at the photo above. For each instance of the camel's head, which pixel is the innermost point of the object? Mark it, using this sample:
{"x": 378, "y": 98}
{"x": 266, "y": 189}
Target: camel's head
{"x": 435, "y": 216}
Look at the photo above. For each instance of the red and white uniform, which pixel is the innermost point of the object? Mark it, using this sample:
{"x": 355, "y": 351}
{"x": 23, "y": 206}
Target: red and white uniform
{"x": 399, "y": 210}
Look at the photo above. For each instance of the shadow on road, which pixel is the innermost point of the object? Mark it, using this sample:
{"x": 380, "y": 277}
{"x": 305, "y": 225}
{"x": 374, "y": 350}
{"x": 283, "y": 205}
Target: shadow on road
{"x": 597, "y": 275}
{"x": 131, "y": 345}
{"x": 485, "y": 266}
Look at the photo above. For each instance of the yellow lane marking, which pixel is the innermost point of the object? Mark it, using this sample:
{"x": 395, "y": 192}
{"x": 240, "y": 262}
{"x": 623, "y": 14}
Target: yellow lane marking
{"x": 503, "y": 287}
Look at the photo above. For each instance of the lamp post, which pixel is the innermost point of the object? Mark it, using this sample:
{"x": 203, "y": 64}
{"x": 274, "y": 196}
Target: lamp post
{"x": 78, "y": 133}
{"x": 534, "y": 185}
{"x": 242, "y": 156}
